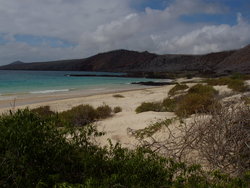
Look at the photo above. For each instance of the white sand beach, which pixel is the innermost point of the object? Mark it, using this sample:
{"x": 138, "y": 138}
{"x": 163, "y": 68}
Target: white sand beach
{"x": 116, "y": 126}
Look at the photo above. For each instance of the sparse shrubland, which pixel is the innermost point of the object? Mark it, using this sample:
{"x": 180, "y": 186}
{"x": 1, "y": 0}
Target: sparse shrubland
{"x": 223, "y": 138}
{"x": 85, "y": 114}
{"x": 236, "y": 83}
{"x": 199, "y": 98}
{"x": 220, "y": 139}
{"x": 34, "y": 153}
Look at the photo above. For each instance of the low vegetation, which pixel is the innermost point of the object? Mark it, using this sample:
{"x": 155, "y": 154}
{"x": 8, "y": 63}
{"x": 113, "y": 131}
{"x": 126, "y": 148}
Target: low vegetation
{"x": 219, "y": 139}
{"x": 35, "y": 153}
{"x": 224, "y": 138}
{"x": 176, "y": 88}
{"x": 78, "y": 116}
{"x": 169, "y": 104}
{"x": 118, "y": 96}
{"x": 44, "y": 111}
{"x": 236, "y": 83}
{"x": 151, "y": 129}
{"x": 103, "y": 112}
{"x": 199, "y": 98}
{"x": 149, "y": 106}
{"x": 117, "y": 109}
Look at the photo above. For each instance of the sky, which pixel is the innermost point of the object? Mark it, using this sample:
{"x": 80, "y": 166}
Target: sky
{"x": 44, "y": 30}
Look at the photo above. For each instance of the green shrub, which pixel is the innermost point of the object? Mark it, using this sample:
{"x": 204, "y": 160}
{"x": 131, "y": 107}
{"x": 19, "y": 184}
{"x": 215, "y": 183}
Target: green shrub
{"x": 43, "y": 111}
{"x": 176, "y": 88}
{"x": 246, "y": 100}
{"x": 117, "y": 109}
{"x": 149, "y": 106}
{"x": 33, "y": 150}
{"x": 202, "y": 90}
{"x": 194, "y": 103}
{"x": 200, "y": 98}
{"x": 33, "y": 153}
{"x": 103, "y": 111}
{"x": 240, "y": 76}
{"x": 218, "y": 81}
{"x": 79, "y": 115}
{"x": 118, "y": 96}
{"x": 235, "y": 83}
{"x": 169, "y": 105}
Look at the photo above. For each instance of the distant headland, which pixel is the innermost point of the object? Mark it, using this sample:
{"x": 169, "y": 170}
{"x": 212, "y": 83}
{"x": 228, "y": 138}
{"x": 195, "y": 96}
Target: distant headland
{"x": 139, "y": 63}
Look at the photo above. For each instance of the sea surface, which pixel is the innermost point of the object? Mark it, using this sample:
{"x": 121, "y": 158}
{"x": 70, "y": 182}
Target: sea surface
{"x": 44, "y": 82}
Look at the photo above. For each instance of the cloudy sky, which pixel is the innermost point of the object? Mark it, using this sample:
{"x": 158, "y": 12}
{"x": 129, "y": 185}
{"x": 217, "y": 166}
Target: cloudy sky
{"x": 41, "y": 30}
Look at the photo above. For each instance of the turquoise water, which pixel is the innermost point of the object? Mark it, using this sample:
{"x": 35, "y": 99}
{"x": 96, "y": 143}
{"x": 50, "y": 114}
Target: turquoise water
{"x": 32, "y": 82}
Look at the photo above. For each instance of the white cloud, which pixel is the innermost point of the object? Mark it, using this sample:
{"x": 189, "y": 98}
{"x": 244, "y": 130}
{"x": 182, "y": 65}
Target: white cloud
{"x": 97, "y": 25}
{"x": 211, "y": 38}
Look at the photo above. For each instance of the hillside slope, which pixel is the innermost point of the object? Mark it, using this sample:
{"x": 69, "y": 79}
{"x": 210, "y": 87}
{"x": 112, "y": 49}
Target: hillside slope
{"x": 239, "y": 61}
{"x": 132, "y": 61}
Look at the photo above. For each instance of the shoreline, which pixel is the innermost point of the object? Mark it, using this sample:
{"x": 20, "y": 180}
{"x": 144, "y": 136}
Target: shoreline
{"x": 36, "y": 100}
{"x": 30, "y": 100}
{"x": 116, "y": 126}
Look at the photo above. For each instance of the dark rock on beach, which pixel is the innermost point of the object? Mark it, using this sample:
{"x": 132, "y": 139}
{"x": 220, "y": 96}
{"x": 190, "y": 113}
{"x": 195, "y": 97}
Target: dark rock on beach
{"x": 151, "y": 83}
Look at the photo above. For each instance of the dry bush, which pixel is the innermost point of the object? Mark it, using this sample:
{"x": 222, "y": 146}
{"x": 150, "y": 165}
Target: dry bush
{"x": 220, "y": 140}
{"x": 224, "y": 138}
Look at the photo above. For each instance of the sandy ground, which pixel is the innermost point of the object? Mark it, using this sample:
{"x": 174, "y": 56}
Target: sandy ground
{"x": 116, "y": 126}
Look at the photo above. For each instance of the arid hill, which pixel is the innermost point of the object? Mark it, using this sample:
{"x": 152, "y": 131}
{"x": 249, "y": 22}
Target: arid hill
{"x": 132, "y": 61}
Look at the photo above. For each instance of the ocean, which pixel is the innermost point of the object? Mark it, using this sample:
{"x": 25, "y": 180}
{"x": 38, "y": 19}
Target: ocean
{"x": 44, "y": 82}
